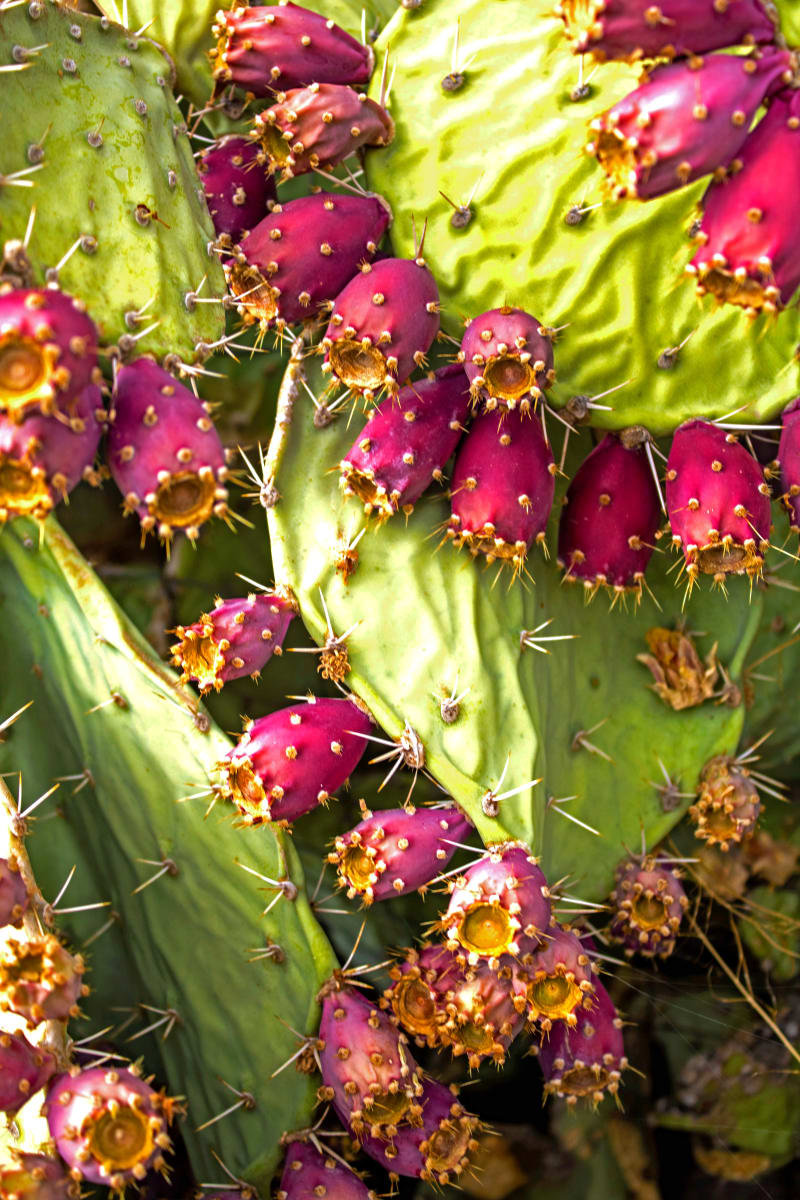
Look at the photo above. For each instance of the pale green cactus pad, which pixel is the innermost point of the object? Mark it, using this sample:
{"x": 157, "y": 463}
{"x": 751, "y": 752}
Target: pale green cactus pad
{"x": 111, "y": 177}
{"x": 614, "y": 282}
{"x": 430, "y": 623}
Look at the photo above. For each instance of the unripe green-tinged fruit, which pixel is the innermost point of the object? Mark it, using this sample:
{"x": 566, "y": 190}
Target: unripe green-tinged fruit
{"x": 728, "y": 803}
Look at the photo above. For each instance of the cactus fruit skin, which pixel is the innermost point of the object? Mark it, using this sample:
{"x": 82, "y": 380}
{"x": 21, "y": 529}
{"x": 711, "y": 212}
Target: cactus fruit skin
{"x": 728, "y": 803}
{"x": 687, "y": 120}
{"x": 265, "y": 50}
{"x": 649, "y": 904}
{"x": 610, "y": 518}
{"x": 14, "y": 897}
{"x": 482, "y": 1011}
{"x": 319, "y": 126}
{"x": 289, "y": 275}
{"x": 416, "y": 990}
{"x": 306, "y": 1170}
{"x": 24, "y": 1069}
{"x": 238, "y": 189}
{"x": 717, "y": 501}
{"x": 789, "y": 461}
{"x": 237, "y": 638}
{"x": 438, "y": 1150}
{"x": 40, "y": 980}
{"x": 680, "y": 678}
{"x": 48, "y": 352}
{"x": 560, "y": 981}
{"x": 588, "y": 1059}
{"x": 508, "y": 357}
{"x": 37, "y": 1177}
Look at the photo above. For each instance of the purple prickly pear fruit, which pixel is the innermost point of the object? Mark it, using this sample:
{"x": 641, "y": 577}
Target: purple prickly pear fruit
{"x": 164, "y": 453}
{"x": 634, "y": 29}
{"x": 309, "y": 1174}
{"x": 368, "y": 1072}
{"x": 502, "y": 488}
{"x": 789, "y": 461}
{"x": 382, "y": 325}
{"x": 560, "y": 980}
{"x": 24, "y": 1069}
{"x": 438, "y": 1150}
{"x": 748, "y": 252}
{"x": 406, "y": 443}
{"x": 271, "y": 49}
{"x": 508, "y": 357}
{"x": 610, "y": 518}
{"x": 40, "y": 980}
{"x": 14, "y": 897}
{"x": 238, "y": 189}
{"x": 45, "y": 457}
{"x": 417, "y": 987}
{"x": 649, "y": 902}
{"x": 687, "y": 120}
{"x": 718, "y": 503}
{"x": 237, "y": 638}
{"x": 298, "y": 259}
{"x": 109, "y": 1126}
{"x": 36, "y": 1177}
{"x": 588, "y": 1058}
{"x": 317, "y": 127}
{"x": 397, "y": 850}
{"x": 483, "y": 1011}
{"x": 290, "y": 761}
{"x": 499, "y": 905}
{"x": 680, "y": 678}
{"x": 728, "y": 803}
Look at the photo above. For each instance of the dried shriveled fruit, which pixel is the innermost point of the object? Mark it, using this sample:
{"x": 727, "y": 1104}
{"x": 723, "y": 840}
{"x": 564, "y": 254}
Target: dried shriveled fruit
{"x": 728, "y": 803}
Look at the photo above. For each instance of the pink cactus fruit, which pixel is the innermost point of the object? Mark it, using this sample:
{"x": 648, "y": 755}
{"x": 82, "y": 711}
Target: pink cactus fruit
{"x": 586, "y": 1060}
{"x": 748, "y": 253}
{"x": 44, "y": 458}
{"x": 318, "y": 127}
{"x": 36, "y": 1177}
{"x": 406, "y": 443}
{"x": 688, "y": 119}
{"x": 502, "y": 488}
{"x": 40, "y": 980}
{"x": 728, "y": 803}
{"x": 368, "y": 1072}
{"x": 499, "y": 905}
{"x": 611, "y": 516}
{"x": 382, "y": 325}
{"x": 634, "y": 29}
{"x": 14, "y": 897}
{"x": 271, "y": 49}
{"x": 397, "y": 850}
{"x": 718, "y": 503}
{"x": 789, "y": 461}
{"x": 290, "y": 761}
{"x": 24, "y": 1069}
{"x": 437, "y": 1150}
{"x": 238, "y": 188}
{"x": 484, "y": 1010}
{"x": 297, "y": 260}
{"x": 238, "y": 637}
{"x": 508, "y": 357}
{"x": 649, "y": 903}
{"x": 164, "y": 453}
{"x": 560, "y": 981}
{"x": 109, "y": 1126}
{"x": 419, "y": 982}
{"x": 309, "y": 1174}
{"x": 48, "y": 352}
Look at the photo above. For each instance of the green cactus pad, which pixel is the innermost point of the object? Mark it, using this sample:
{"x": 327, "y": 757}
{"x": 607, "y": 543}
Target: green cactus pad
{"x": 428, "y": 622}
{"x": 613, "y": 281}
{"x": 190, "y": 935}
{"x": 94, "y": 112}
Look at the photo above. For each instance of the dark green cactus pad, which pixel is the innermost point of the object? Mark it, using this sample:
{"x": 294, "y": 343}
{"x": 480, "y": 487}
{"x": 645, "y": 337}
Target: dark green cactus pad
{"x": 428, "y": 622}
{"x": 190, "y": 935}
{"x": 613, "y": 281}
{"x": 94, "y": 113}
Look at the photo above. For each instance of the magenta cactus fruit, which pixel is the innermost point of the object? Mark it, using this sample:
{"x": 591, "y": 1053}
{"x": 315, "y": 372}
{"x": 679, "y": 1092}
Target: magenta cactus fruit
{"x": 109, "y": 1126}
{"x": 633, "y": 29}
{"x": 14, "y": 897}
{"x": 718, "y": 503}
{"x": 499, "y": 905}
{"x": 687, "y": 120}
{"x": 789, "y": 461}
{"x": 560, "y": 980}
{"x": 610, "y": 518}
{"x": 164, "y": 453}
{"x": 483, "y": 1011}
{"x": 36, "y": 1177}
{"x": 586, "y": 1060}
{"x": 397, "y": 850}
{"x": 317, "y": 127}
{"x": 238, "y": 188}
{"x": 290, "y": 761}
{"x": 382, "y": 325}
{"x": 649, "y": 903}
{"x": 728, "y": 803}
{"x": 437, "y": 1150}
{"x": 270, "y": 49}
{"x": 368, "y": 1072}
{"x": 508, "y": 357}
{"x": 309, "y": 1174}
{"x": 237, "y": 638}
{"x": 418, "y": 985}
{"x": 406, "y": 443}
{"x": 748, "y": 251}
{"x": 40, "y": 980}
{"x": 297, "y": 260}
{"x": 48, "y": 352}
{"x": 24, "y": 1069}
{"x": 502, "y": 487}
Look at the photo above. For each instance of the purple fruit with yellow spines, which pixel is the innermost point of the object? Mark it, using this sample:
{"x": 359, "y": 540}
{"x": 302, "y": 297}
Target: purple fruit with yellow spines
{"x": 309, "y": 1173}
{"x": 36, "y": 1177}
{"x": 236, "y": 638}
{"x": 40, "y": 980}
{"x": 585, "y": 1060}
{"x": 483, "y": 1010}
{"x": 14, "y": 899}
{"x": 560, "y": 980}
{"x": 24, "y": 1069}
{"x": 438, "y": 1149}
{"x": 415, "y": 994}
{"x": 238, "y": 187}
{"x": 789, "y": 462}
{"x": 649, "y": 904}
{"x": 508, "y": 357}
